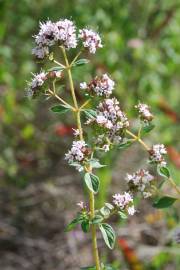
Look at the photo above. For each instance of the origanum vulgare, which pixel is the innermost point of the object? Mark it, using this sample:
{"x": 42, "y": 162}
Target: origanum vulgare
{"x": 102, "y": 113}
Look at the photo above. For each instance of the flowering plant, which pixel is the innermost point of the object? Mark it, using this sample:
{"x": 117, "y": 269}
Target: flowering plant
{"x": 110, "y": 128}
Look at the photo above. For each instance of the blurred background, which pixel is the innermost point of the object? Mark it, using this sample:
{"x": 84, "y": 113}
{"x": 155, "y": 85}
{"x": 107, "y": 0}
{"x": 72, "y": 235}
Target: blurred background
{"x": 38, "y": 190}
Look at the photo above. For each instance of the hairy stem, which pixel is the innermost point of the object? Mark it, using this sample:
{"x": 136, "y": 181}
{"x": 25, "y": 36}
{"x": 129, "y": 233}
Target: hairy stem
{"x": 77, "y": 111}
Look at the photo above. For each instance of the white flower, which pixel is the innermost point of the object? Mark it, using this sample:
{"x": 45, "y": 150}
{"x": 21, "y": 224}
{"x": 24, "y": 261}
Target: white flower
{"x": 81, "y": 205}
{"x": 40, "y": 52}
{"x": 110, "y": 116}
{"x": 131, "y": 210}
{"x": 50, "y": 33}
{"x": 36, "y": 82}
{"x": 147, "y": 194}
{"x": 105, "y": 147}
{"x": 122, "y": 200}
{"x": 47, "y": 34}
{"x": 140, "y": 181}
{"x": 83, "y": 85}
{"x": 77, "y": 152}
{"x": 66, "y": 33}
{"x": 157, "y": 154}
{"x": 76, "y": 132}
{"x": 101, "y": 86}
{"x": 91, "y": 39}
{"x": 144, "y": 112}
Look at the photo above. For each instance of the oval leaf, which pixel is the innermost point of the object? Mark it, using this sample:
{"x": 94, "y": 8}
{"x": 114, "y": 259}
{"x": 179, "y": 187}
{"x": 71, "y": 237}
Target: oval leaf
{"x": 60, "y": 109}
{"x": 163, "y": 171}
{"x": 92, "y": 182}
{"x": 146, "y": 129}
{"x": 164, "y": 202}
{"x": 58, "y": 68}
{"x": 81, "y": 62}
{"x": 108, "y": 234}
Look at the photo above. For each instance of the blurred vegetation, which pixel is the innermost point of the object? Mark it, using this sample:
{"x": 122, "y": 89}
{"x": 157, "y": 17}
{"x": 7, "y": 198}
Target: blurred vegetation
{"x": 141, "y": 52}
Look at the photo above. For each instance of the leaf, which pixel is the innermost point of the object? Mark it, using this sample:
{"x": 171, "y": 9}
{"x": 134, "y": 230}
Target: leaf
{"x": 72, "y": 224}
{"x": 97, "y": 219}
{"x": 108, "y": 234}
{"x": 146, "y": 129}
{"x": 125, "y": 144}
{"x": 109, "y": 205}
{"x": 90, "y": 113}
{"x": 92, "y": 182}
{"x": 105, "y": 211}
{"x": 164, "y": 202}
{"x": 60, "y": 109}
{"x": 58, "y": 68}
{"x": 81, "y": 62}
{"x": 108, "y": 267}
{"x": 96, "y": 164}
{"x": 122, "y": 215}
{"x": 85, "y": 225}
{"x": 163, "y": 171}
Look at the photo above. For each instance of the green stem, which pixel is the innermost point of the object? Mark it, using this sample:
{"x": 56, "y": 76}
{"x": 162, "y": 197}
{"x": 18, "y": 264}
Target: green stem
{"x": 93, "y": 232}
{"x": 70, "y": 78}
{"x": 173, "y": 184}
{"x": 91, "y": 195}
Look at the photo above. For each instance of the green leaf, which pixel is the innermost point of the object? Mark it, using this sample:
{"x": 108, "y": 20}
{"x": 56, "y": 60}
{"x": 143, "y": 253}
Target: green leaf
{"x": 58, "y": 68}
{"x": 105, "y": 211}
{"x": 164, "y": 202}
{"x": 109, "y": 205}
{"x": 125, "y": 144}
{"x": 122, "y": 215}
{"x": 108, "y": 234}
{"x": 146, "y": 129}
{"x": 97, "y": 219}
{"x": 108, "y": 267}
{"x": 72, "y": 224}
{"x": 85, "y": 225}
{"x": 92, "y": 182}
{"x": 90, "y": 113}
{"x": 163, "y": 171}
{"x": 95, "y": 163}
{"x": 81, "y": 62}
{"x": 60, "y": 109}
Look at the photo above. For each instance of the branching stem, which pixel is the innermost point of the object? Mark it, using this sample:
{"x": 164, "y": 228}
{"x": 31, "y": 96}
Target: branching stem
{"x": 137, "y": 138}
{"x": 77, "y": 111}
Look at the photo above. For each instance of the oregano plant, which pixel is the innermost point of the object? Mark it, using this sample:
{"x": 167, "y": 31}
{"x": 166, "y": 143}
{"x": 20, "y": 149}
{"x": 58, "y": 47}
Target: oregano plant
{"x": 100, "y": 115}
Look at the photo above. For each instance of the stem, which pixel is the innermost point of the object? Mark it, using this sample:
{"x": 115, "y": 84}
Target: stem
{"x": 59, "y": 64}
{"x": 75, "y": 58}
{"x": 70, "y": 78}
{"x": 77, "y": 111}
{"x": 173, "y": 184}
{"x": 60, "y": 99}
{"x": 84, "y": 104}
{"x": 93, "y": 232}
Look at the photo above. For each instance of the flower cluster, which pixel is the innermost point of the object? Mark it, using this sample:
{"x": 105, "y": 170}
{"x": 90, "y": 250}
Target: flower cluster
{"x": 77, "y": 152}
{"x": 63, "y": 33}
{"x": 112, "y": 120}
{"x": 101, "y": 86}
{"x": 140, "y": 181}
{"x": 124, "y": 202}
{"x": 36, "y": 82}
{"x": 91, "y": 39}
{"x": 157, "y": 154}
{"x": 144, "y": 112}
